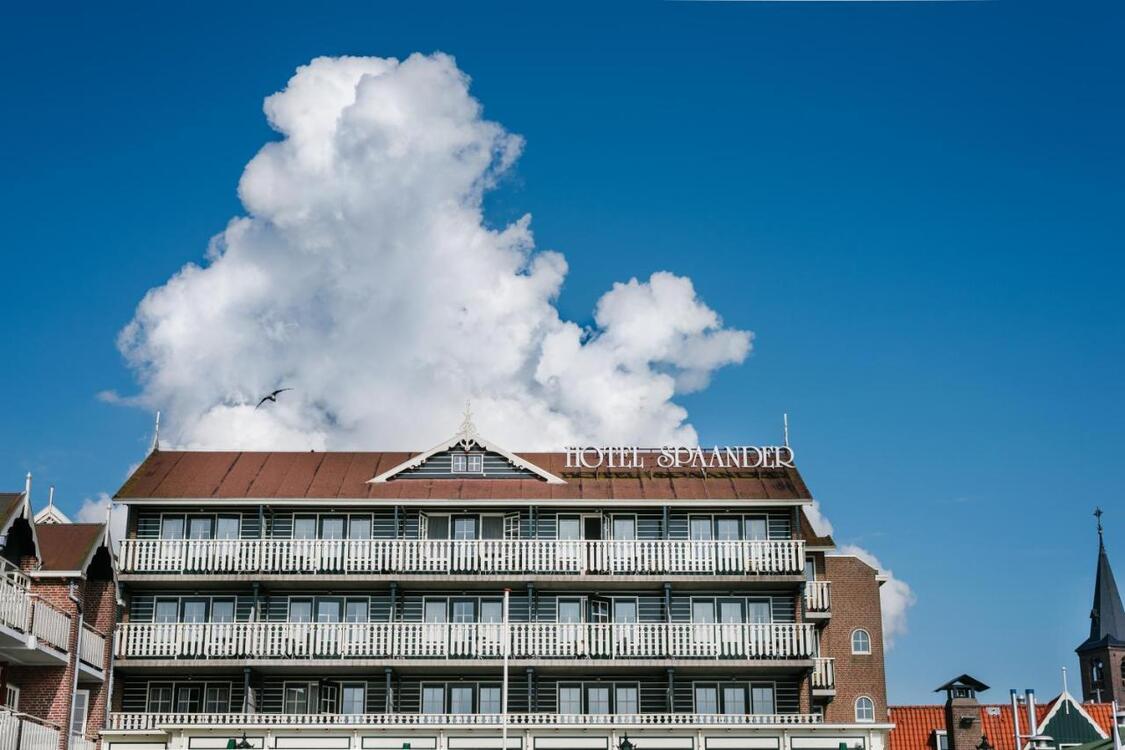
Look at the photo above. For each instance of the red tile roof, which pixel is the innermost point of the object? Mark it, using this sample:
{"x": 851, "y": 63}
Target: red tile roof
{"x": 231, "y": 474}
{"x": 67, "y": 546}
{"x": 915, "y": 725}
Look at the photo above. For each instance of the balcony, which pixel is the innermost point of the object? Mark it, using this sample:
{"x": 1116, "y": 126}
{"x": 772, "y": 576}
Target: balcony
{"x": 818, "y": 600}
{"x": 140, "y": 722}
{"x": 31, "y": 630}
{"x": 22, "y": 732}
{"x": 824, "y": 676}
{"x": 445, "y": 556}
{"x": 425, "y": 640}
{"x": 91, "y": 654}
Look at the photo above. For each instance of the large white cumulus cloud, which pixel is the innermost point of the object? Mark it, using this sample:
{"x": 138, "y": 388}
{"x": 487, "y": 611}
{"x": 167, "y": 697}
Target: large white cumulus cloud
{"x": 364, "y": 277}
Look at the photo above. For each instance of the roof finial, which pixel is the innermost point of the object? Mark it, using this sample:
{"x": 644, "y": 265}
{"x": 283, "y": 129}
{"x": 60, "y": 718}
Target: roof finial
{"x": 1098, "y": 513}
{"x": 27, "y": 486}
{"x": 156, "y": 434}
{"x": 51, "y": 496}
{"x": 785, "y": 422}
{"x": 467, "y": 432}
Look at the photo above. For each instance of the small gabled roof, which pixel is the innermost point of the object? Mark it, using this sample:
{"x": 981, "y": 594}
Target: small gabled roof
{"x": 963, "y": 681}
{"x": 466, "y": 438}
{"x": 68, "y": 547}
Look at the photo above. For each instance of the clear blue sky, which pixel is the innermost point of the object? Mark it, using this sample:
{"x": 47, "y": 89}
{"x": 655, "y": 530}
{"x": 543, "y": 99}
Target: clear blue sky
{"x": 917, "y": 207}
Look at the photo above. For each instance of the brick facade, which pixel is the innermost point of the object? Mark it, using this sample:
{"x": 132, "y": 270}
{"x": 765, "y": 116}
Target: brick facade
{"x": 855, "y": 604}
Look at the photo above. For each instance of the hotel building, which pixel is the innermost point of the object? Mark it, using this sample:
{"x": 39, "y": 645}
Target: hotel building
{"x": 449, "y": 599}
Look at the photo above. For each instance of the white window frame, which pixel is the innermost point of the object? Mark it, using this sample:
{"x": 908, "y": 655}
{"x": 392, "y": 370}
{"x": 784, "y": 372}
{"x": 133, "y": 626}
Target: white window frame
{"x": 78, "y": 729}
{"x": 867, "y": 633}
{"x": 467, "y": 462}
{"x": 12, "y": 697}
{"x": 871, "y": 702}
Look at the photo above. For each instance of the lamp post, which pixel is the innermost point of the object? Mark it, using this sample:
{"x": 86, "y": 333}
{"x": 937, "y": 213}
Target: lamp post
{"x": 625, "y": 744}
{"x": 243, "y": 744}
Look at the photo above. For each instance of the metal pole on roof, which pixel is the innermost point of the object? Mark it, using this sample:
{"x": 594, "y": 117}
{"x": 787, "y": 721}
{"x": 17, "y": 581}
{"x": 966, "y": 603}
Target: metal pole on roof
{"x": 507, "y": 644}
{"x": 785, "y": 421}
{"x": 1016, "y": 718}
{"x": 1116, "y": 727}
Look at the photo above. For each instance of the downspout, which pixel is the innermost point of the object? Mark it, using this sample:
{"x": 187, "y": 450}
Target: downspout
{"x": 109, "y": 668}
{"x": 74, "y": 649}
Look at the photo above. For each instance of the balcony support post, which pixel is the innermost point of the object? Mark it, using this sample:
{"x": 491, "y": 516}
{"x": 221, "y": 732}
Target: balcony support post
{"x": 389, "y": 700}
{"x": 667, "y": 602}
{"x": 398, "y": 531}
{"x": 247, "y": 702}
{"x": 394, "y": 601}
{"x": 532, "y": 603}
{"x": 532, "y": 691}
{"x": 665, "y": 532}
{"x": 534, "y": 513}
{"x": 256, "y": 591}
{"x": 670, "y": 697}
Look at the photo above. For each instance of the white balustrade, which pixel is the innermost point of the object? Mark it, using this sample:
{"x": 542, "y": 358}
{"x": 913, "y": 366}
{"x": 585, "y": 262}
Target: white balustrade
{"x": 22, "y": 732}
{"x": 438, "y": 640}
{"x": 91, "y": 647}
{"x": 50, "y": 625}
{"x": 634, "y": 557}
{"x": 824, "y": 673}
{"x": 150, "y": 721}
{"x": 15, "y": 603}
{"x": 818, "y": 596}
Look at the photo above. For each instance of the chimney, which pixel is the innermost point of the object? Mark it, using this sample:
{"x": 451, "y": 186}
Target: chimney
{"x": 962, "y": 712}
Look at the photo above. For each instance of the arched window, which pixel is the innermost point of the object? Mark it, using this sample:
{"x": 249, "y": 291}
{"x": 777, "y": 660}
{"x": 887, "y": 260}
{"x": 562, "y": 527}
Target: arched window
{"x": 861, "y": 641}
{"x": 864, "y": 709}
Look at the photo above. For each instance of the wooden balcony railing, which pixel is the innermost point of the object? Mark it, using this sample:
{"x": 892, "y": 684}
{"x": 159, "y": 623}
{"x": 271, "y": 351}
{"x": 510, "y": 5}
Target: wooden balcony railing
{"x": 22, "y": 611}
{"x": 444, "y": 556}
{"x": 22, "y": 732}
{"x": 152, "y": 721}
{"x": 818, "y": 596}
{"x": 426, "y": 640}
{"x": 91, "y": 647}
{"x": 824, "y": 673}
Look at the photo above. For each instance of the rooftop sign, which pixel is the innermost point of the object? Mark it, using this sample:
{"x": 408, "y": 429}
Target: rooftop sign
{"x": 718, "y": 457}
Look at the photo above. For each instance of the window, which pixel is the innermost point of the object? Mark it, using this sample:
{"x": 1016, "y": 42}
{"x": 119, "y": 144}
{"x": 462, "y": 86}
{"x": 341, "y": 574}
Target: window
{"x": 861, "y": 641}
{"x": 359, "y": 527}
{"x": 167, "y": 610}
{"x": 332, "y": 527}
{"x": 864, "y": 709}
{"x": 222, "y": 610}
{"x": 624, "y": 527}
{"x": 433, "y": 699}
{"x": 216, "y": 699}
{"x": 467, "y": 463}
{"x": 296, "y": 698}
{"x": 625, "y": 699}
{"x": 465, "y": 527}
{"x": 734, "y": 699}
{"x": 227, "y": 527}
{"x": 304, "y": 527}
{"x": 756, "y": 528}
{"x": 597, "y": 699}
{"x": 726, "y": 529}
{"x": 194, "y": 610}
{"x": 201, "y": 527}
{"x": 570, "y": 699}
{"x": 762, "y": 699}
{"x": 172, "y": 527}
{"x": 489, "y": 699}
{"x": 189, "y": 698}
{"x": 461, "y": 699}
{"x": 78, "y": 712}
{"x": 159, "y": 698}
{"x": 941, "y": 740}
{"x": 12, "y": 697}
{"x": 353, "y": 698}
{"x": 356, "y": 610}
{"x": 706, "y": 699}
{"x": 300, "y": 610}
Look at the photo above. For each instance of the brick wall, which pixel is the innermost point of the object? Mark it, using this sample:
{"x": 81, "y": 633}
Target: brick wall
{"x": 45, "y": 691}
{"x": 855, "y": 604}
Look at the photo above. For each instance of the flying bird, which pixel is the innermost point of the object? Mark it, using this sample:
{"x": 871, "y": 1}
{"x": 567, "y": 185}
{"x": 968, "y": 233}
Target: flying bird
{"x": 272, "y": 397}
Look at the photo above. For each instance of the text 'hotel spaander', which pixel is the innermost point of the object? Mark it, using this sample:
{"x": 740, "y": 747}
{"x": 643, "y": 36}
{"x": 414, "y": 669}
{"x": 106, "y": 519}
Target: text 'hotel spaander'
{"x": 376, "y": 601}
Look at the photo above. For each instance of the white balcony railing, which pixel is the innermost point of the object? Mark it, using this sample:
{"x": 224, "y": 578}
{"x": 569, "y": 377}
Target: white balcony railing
{"x": 50, "y": 625}
{"x": 22, "y": 732}
{"x": 154, "y": 721}
{"x": 22, "y": 611}
{"x": 818, "y": 596}
{"x": 78, "y": 742}
{"x": 824, "y": 673}
{"x": 640, "y": 557}
{"x": 288, "y": 640}
{"x": 91, "y": 647}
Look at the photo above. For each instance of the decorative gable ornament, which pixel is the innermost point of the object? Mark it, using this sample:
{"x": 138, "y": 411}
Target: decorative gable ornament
{"x": 466, "y": 439}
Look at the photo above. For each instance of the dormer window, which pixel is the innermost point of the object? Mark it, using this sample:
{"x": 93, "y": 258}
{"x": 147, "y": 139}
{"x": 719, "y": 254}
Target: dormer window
{"x": 467, "y": 463}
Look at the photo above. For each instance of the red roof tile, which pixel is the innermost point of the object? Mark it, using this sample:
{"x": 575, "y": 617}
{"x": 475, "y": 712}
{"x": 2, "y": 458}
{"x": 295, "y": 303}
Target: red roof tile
{"x": 67, "y": 546}
{"x": 230, "y": 474}
{"x": 915, "y": 725}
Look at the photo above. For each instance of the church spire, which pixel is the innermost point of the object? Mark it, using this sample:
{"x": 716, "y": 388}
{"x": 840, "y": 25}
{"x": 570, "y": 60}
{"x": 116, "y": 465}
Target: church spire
{"x": 1107, "y": 618}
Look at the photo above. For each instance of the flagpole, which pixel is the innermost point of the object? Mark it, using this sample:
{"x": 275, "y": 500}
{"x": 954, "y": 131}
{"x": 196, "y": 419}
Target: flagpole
{"x": 507, "y": 646}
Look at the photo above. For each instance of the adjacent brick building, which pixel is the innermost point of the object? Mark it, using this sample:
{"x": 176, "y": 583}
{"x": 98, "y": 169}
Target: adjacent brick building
{"x": 58, "y": 610}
